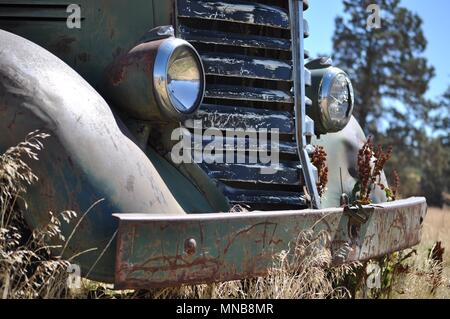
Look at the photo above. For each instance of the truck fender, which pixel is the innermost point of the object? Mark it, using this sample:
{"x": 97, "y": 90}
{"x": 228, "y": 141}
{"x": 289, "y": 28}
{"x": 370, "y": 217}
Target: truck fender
{"x": 87, "y": 158}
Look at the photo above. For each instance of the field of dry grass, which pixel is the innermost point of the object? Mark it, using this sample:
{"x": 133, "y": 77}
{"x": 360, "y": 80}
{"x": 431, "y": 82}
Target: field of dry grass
{"x": 424, "y": 274}
{"x": 437, "y": 228}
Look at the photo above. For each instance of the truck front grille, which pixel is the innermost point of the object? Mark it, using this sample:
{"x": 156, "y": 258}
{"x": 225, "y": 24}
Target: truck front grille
{"x": 246, "y": 51}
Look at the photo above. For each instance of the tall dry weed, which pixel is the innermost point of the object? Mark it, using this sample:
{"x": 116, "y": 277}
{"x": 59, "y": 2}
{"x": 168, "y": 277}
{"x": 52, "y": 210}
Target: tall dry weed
{"x": 27, "y": 268}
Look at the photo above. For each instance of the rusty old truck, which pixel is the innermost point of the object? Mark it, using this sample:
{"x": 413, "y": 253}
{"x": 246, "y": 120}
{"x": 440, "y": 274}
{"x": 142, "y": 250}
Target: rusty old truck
{"x": 181, "y": 131}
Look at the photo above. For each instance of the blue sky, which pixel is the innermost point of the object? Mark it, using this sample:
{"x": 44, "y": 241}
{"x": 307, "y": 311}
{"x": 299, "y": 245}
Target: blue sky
{"x": 436, "y": 19}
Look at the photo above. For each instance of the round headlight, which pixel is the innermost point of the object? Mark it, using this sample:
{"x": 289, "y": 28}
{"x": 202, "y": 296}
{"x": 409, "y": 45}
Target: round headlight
{"x": 178, "y": 77}
{"x": 336, "y": 100}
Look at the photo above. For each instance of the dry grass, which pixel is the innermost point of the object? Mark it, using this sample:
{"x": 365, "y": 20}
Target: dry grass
{"x": 427, "y": 278}
{"x": 27, "y": 269}
{"x": 437, "y": 228}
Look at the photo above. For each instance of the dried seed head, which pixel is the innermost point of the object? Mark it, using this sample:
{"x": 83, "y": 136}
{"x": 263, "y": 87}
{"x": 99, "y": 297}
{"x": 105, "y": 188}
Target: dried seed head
{"x": 319, "y": 160}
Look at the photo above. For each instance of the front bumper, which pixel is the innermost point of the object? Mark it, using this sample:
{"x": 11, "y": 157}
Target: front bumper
{"x": 163, "y": 251}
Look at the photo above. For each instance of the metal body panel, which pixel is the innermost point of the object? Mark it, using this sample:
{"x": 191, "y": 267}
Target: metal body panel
{"x": 107, "y": 29}
{"x": 162, "y": 251}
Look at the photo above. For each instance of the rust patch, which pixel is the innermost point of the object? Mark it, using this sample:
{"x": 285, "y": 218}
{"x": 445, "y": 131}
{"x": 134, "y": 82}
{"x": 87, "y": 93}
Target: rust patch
{"x": 142, "y": 57}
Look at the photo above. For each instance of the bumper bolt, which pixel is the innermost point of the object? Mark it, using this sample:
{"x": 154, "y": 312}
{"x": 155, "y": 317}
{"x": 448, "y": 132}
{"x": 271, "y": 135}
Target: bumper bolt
{"x": 190, "y": 246}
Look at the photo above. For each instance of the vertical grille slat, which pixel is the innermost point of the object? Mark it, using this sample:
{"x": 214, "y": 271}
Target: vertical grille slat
{"x": 246, "y": 51}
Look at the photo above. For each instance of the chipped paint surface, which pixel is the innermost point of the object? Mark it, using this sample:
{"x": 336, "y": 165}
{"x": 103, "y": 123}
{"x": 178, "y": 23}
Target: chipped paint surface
{"x": 242, "y": 144}
{"x": 236, "y": 11}
{"x": 248, "y": 67}
{"x": 243, "y": 118}
{"x": 232, "y": 246}
{"x": 233, "y": 39}
{"x": 248, "y": 93}
{"x": 285, "y": 174}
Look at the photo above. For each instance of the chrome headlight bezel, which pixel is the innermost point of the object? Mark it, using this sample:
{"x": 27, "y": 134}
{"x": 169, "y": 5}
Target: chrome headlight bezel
{"x": 328, "y": 123}
{"x": 161, "y": 81}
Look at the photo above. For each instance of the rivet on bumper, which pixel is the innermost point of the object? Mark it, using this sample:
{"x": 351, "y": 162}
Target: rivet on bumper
{"x": 190, "y": 246}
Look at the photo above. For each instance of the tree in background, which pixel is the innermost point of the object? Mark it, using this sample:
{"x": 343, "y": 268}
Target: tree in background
{"x": 439, "y": 119}
{"x": 422, "y": 163}
{"x": 386, "y": 63}
{"x": 435, "y": 157}
{"x": 391, "y": 75}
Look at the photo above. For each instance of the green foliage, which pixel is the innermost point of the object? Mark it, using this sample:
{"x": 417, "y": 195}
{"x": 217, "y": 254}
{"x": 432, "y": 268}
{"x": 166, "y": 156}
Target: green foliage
{"x": 435, "y": 169}
{"x": 389, "y": 194}
{"x": 391, "y": 267}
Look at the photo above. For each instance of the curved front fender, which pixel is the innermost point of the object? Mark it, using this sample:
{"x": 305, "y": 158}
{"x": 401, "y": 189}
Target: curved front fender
{"x": 87, "y": 157}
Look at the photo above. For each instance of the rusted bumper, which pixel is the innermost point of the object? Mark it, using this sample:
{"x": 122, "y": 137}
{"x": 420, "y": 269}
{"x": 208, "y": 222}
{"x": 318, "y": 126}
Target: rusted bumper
{"x": 163, "y": 251}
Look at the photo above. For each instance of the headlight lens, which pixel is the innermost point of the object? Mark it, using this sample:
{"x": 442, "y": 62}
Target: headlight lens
{"x": 336, "y": 100}
{"x": 178, "y": 77}
{"x": 184, "y": 83}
